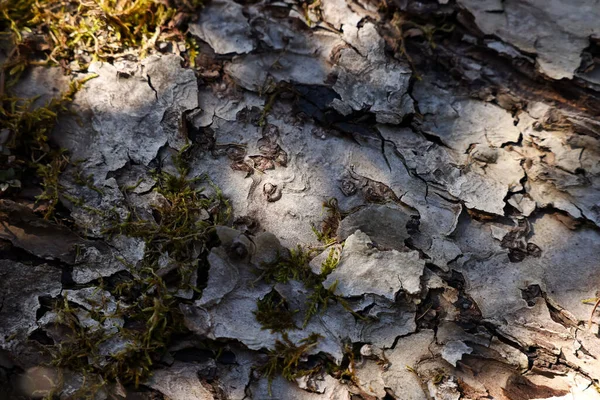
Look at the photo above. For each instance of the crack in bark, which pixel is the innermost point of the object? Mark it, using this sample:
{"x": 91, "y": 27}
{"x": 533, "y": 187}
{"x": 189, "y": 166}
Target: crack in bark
{"x": 152, "y": 87}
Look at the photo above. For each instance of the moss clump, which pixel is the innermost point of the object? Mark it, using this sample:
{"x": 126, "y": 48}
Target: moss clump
{"x": 287, "y": 359}
{"x": 72, "y": 33}
{"x": 152, "y": 320}
{"x": 274, "y": 313}
{"x": 82, "y": 343}
{"x": 183, "y": 220}
{"x": 292, "y": 266}
{"x": 295, "y": 266}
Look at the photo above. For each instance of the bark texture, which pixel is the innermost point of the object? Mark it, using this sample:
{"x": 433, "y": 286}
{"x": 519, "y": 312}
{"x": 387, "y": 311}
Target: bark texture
{"x": 461, "y": 140}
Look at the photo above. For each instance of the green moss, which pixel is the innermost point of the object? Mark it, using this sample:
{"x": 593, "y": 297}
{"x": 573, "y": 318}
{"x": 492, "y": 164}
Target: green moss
{"x": 268, "y": 106}
{"x": 81, "y": 32}
{"x": 28, "y": 146}
{"x": 295, "y": 266}
{"x": 81, "y": 179}
{"x": 319, "y": 300}
{"x": 273, "y": 313}
{"x": 286, "y": 359}
{"x": 71, "y": 34}
{"x": 332, "y": 261}
{"x": 82, "y": 343}
{"x": 291, "y": 266}
{"x": 50, "y": 173}
{"x": 154, "y": 319}
{"x": 181, "y": 227}
{"x": 184, "y": 219}
{"x": 321, "y": 297}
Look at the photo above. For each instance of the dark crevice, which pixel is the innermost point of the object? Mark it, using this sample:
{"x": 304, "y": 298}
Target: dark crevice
{"x": 22, "y": 256}
{"x": 559, "y": 314}
{"x": 531, "y": 293}
{"x": 41, "y": 337}
{"x": 518, "y": 143}
{"x": 152, "y": 87}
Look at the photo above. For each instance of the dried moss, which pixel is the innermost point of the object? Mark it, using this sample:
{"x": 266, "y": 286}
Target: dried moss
{"x": 326, "y": 234}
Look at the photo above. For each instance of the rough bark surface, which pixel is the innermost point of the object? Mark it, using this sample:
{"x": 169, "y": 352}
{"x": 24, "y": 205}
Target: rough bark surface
{"x": 461, "y": 140}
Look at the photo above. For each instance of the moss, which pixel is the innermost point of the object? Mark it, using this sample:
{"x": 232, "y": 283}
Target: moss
{"x": 28, "y": 146}
{"x": 81, "y": 32}
{"x": 291, "y": 266}
{"x": 181, "y": 229}
{"x": 184, "y": 219}
{"x": 332, "y": 261}
{"x": 50, "y": 173}
{"x": 319, "y": 300}
{"x": 326, "y": 234}
{"x": 70, "y": 34}
{"x": 273, "y": 313}
{"x": 153, "y": 320}
{"x": 81, "y": 179}
{"x": 345, "y": 370}
{"x": 287, "y": 359}
{"x": 268, "y": 106}
{"x": 82, "y": 343}
{"x": 295, "y": 266}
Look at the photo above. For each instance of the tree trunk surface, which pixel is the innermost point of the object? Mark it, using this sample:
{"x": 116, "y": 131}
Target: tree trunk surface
{"x": 414, "y": 197}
